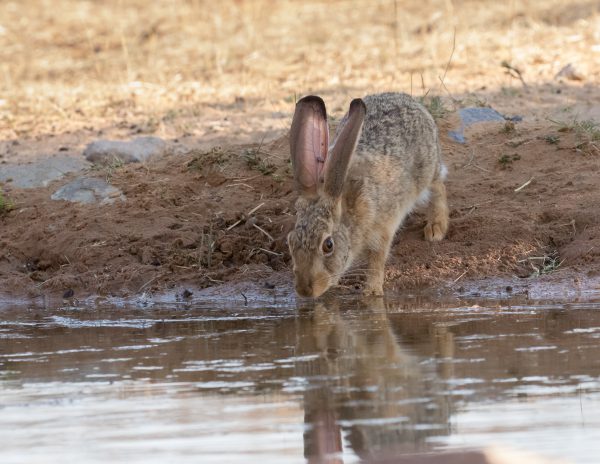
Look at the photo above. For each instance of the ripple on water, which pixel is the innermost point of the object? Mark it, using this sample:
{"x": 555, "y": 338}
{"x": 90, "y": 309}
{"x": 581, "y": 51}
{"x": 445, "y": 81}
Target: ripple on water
{"x": 220, "y": 385}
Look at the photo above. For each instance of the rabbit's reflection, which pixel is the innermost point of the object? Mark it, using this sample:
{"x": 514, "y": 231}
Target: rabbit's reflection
{"x": 366, "y": 388}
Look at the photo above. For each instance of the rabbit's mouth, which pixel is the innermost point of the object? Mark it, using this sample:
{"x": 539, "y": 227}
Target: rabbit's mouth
{"x": 312, "y": 287}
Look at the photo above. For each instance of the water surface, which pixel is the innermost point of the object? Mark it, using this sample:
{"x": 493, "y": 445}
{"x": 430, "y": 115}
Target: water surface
{"x": 346, "y": 381}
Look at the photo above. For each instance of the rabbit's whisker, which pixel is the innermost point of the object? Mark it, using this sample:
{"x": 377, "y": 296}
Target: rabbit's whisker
{"x": 352, "y": 273}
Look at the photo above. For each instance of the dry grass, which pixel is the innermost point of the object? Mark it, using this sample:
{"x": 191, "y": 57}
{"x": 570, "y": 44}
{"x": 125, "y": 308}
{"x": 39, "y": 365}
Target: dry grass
{"x": 68, "y": 64}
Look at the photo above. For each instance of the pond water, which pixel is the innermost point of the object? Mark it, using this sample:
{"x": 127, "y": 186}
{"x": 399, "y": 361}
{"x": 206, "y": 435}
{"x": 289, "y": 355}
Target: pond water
{"x": 338, "y": 382}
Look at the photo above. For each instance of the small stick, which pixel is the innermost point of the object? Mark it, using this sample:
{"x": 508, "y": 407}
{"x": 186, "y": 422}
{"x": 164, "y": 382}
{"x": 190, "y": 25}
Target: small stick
{"x": 241, "y": 183}
{"x": 442, "y": 78}
{"x": 148, "y": 283}
{"x": 532, "y": 258}
{"x": 480, "y": 168}
{"x": 571, "y": 223}
{"x": 479, "y": 204}
{"x": 270, "y": 252}
{"x": 234, "y": 224}
{"x": 524, "y": 185}
{"x": 255, "y": 209}
{"x": 43, "y": 283}
{"x": 475, "y": 165}
{"x": 264, "y": 232}
{"x": 245, "y": 299}
{"x": 423, "y": 86}
{"x": 460, "y": 276}
{"x": 240, "y": 179}
{"x": 511, "y": 69}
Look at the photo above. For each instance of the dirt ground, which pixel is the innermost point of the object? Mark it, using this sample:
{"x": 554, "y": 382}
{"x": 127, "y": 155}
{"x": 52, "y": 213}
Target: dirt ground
{"x": 220, "y": 84}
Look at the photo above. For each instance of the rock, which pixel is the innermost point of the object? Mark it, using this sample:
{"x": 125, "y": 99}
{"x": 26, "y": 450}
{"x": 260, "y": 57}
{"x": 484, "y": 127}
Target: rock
{"x": 68, "y": 294}
{"x": 471, "y": 116}
{"x": 89, "y": 190}
{"x": 136, "y": 151}
{"x": 40, "y": 173}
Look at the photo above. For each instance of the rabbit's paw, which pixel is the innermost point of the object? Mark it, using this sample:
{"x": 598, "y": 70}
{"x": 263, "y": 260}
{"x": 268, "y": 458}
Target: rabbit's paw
{"x": 435, "y": 231}
{"x": 373, "y": 289}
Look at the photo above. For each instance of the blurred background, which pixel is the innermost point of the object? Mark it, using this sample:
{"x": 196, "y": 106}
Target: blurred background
{"x": 165, "y": 65}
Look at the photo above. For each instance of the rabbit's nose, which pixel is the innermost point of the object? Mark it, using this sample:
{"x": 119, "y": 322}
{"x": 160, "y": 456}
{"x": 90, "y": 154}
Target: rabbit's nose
{"x": 304, "y": 286}
{"x": 305, "y": 290}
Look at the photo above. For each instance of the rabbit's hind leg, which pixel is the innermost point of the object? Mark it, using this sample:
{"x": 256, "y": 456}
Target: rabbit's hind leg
{"x": 437, "y": 213}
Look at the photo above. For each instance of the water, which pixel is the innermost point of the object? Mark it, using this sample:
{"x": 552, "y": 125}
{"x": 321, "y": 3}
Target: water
{"x": 346, "y": 382}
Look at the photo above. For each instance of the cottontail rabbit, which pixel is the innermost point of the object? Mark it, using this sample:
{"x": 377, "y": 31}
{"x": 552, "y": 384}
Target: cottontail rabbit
{"x": 355, "y": 193}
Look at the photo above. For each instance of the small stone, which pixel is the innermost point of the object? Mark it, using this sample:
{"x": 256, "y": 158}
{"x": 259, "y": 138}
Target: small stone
{"x": 471, "y": 116}
{"x": 40, "y": 173}
{"x": 137, "y": 150}
{"x": 187, "y": 294}
{"x": 68, "y": 294}
{"x": 88, "y": 190}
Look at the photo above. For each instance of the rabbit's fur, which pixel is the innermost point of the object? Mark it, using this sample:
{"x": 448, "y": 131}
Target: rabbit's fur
{"x": 355, "y": 193}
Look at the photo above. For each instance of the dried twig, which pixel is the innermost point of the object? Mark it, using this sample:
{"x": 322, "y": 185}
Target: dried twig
{"x": 255, "y": 209}
{"x": 518, "y": 189}
{"x": 148, "y": 283}
{"x": 270, "y": 252}
{"x": 234, "y": 224}
{"x": 264, "y": 232}
{"x": 460, "y": 276}
{"x": 242, "y": 184}
{"x": 443, "y": 77}
{"x": 475, "y": 206}
{"x": 472, "y": 163}
{"x": 513, "y": 72}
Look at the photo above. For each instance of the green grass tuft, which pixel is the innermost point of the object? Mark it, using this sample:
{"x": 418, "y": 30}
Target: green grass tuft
{"x": 587, "y": 132}
{"x": 6, "y": 206}
{"x": 506, "y": 160}
{"x": 545, "y": 264}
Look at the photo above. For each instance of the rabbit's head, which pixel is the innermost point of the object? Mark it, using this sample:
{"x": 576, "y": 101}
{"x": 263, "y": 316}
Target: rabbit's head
{"x": 320, "y": 242}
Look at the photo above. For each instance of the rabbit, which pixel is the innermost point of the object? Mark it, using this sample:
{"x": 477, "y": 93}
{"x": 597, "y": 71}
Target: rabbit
{"x": 354, "y": 194}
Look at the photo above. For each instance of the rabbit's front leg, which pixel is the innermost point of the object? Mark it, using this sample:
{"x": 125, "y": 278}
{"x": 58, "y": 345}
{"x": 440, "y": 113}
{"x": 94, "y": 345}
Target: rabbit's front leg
{"x": 376, "y": 258}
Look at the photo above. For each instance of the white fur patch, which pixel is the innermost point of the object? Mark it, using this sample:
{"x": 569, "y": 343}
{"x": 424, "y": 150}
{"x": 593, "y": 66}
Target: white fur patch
{"x": 423, "y": 198}
{"x": 443, "y": 171}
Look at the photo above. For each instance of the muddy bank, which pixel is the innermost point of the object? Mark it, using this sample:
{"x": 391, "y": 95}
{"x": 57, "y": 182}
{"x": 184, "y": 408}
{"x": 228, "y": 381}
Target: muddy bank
{"x": 523, "y": 199}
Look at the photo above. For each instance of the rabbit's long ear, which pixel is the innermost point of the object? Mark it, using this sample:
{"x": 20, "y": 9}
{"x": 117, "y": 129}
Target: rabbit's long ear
{"x": 309, "y": 139}
{"x": 346, "y": 139}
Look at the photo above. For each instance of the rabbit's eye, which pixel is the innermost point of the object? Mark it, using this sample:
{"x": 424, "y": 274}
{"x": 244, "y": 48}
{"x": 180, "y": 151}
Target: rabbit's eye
{"x": 327, "y": 246}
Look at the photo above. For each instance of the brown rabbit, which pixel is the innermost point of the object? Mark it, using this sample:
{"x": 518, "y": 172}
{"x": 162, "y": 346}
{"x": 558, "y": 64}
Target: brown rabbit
{"x": 355, "y": 193}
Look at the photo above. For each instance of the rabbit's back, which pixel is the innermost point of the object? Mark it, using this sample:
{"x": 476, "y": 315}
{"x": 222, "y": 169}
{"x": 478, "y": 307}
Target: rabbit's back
{"x": 396, "y": 125}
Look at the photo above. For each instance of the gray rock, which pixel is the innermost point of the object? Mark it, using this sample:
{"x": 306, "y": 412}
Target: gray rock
{"x": 137, "y": 150}
{"x": 471, "y": 116}
{"x": 41, "y": 172}
{"x": 89, "y": 190}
